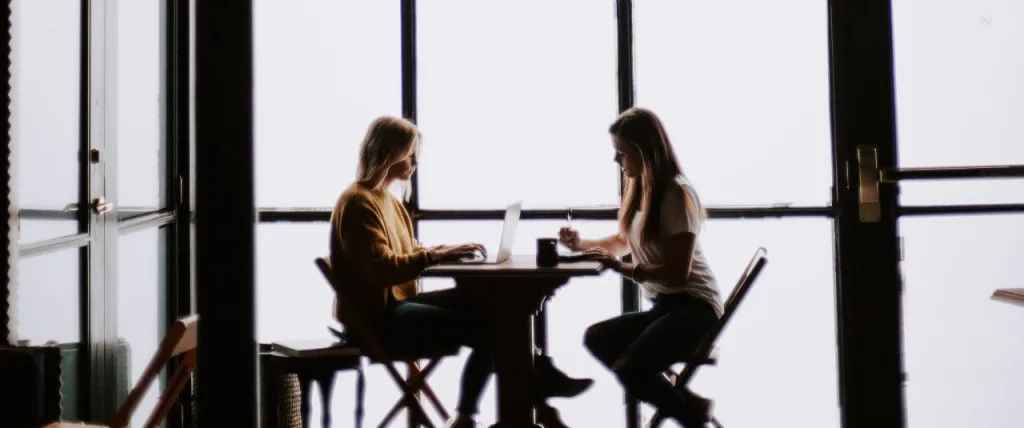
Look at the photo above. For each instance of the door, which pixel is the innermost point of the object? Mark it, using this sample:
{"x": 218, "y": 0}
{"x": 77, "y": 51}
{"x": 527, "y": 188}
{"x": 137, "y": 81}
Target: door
{"x": 930, "y": 197}
{"x": 93, "y": 168}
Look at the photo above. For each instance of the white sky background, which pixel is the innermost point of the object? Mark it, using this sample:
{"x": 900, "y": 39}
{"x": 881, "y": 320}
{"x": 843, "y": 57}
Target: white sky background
{"x": 516, "y": 105}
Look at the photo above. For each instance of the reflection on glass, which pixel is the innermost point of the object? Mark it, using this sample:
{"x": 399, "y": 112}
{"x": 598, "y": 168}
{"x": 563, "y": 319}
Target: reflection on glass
{"x": 962, "y": 351}
{"x": 958, "y": 94}
{"x": 45, "y": 96}
{"x": 742, "y": 88}
{"x": 323, "y": 70}
{"x": 141, "y": 306}
{"x": 141, "y": 149}
{"x": 577, "y": 305}
{"x": 778, "y": 354}
{"x": 512, "y": 105}
{"x": 48, "y": 298}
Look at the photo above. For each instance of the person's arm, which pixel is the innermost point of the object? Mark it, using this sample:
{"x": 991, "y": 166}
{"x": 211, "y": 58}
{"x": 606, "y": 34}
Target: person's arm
{"x": 615, "y": 244}
{"x": 363, "y": 235}
{"x": 679, "y": 260}
{"x": 679, "y": 222}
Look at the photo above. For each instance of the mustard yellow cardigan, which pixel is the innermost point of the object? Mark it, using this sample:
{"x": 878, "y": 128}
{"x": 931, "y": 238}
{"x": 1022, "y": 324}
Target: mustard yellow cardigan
{"x": 374, "y": 252}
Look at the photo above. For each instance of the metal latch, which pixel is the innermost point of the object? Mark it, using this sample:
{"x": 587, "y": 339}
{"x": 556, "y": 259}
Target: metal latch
{"x": 869, "y": 203}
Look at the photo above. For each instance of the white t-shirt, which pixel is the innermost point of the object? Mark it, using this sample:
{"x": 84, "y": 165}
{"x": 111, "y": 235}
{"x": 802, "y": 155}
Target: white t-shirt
{"x": 675, "y": 219}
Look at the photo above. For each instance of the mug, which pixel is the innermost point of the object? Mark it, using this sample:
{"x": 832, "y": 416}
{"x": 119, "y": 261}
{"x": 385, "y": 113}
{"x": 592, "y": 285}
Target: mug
{"x": 547, "y": 252}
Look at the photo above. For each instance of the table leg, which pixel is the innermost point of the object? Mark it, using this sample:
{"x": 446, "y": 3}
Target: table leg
{"x": 326, "y": 381}
{"x": 513, "y": 362}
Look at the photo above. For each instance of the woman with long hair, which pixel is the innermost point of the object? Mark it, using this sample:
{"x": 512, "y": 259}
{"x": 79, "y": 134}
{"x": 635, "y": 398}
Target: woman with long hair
{"x": 659, "y": 221}
{"x": 375, "y": 253}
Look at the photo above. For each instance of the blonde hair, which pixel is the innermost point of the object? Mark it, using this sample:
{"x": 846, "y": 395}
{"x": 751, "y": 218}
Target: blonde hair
{"x": 642, "y": 130}
{"x": 388, "y": 140}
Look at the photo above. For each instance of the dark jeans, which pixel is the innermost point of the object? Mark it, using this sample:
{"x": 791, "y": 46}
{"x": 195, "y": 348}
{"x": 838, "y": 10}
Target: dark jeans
{"x": 638, "y": 347}
{"x": 442, "y": 320}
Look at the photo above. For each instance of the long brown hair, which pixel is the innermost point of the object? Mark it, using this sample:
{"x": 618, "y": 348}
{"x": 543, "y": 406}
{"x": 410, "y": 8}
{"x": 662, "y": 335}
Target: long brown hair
{"x": 388, "y": 140}
{"x": 641, "y": 129}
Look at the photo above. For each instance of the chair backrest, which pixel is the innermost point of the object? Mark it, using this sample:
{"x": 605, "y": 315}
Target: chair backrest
{"x": 181, "y": 339}
{"x": 739, "y": 292}
{"x": 352, "y": 315}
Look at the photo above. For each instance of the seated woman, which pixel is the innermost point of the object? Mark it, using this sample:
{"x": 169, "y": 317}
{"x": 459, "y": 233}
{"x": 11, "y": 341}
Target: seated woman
{"x": 659, "y": 221}
{"x": 374, "y": 251}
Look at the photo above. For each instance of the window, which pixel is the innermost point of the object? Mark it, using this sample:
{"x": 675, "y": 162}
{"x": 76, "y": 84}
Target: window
{"x": 323, "y": 70}
{"x": 47, "y": 298}
{"x": 958, "y": 93}
{"x": 779, "y": 348}
{"x": 140, "y": 106}
{"x": 962, "y": 350}
{"x": 141, "y": 306}
{"x": 45, "y": 125}
{"x": 575, "y": 306}
{"x": 514, "y": 106}
{"x": 742, "y": 88}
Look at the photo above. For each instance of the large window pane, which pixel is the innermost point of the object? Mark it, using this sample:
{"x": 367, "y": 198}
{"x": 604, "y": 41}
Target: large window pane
{"x": 742, "y": 88}
{"x": 323, "y": 70}
{"x": 577, "y": 305}
{"x": 962, "y": 351}
{"x": 515, "y": 104}
{"x": 959, "y": 94}
{"x": 141, "y": 308}
{"x": 141, "y": 149}
{"x": 780, "y": 347}
{"x": 45, "y": 96}
{"x": 48, "y": 298}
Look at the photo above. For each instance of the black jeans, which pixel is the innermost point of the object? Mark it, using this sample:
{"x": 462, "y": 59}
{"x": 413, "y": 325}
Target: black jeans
{"x": 439, "y": 320}
{"x": 638, "y": 347}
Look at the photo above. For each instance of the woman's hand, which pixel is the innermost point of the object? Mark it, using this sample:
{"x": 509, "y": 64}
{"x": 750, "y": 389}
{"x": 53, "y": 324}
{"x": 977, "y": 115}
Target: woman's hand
{"x": 456, "y": 252}
{"x": 606, "y": 258}
{"x": 570, "y": 238}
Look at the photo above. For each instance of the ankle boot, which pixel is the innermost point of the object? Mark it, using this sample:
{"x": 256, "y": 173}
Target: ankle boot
{"x": 552, "y": 382}
{"x": 548, "y": 417}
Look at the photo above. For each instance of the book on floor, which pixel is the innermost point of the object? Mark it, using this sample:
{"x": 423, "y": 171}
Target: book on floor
{"x": 314, "y": 348}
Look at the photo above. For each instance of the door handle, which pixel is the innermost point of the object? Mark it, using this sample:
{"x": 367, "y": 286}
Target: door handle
{"x": 100, "y": 205}
{"x": 871, "y": 177}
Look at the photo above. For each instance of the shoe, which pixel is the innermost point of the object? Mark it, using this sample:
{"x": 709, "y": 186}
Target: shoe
{"x": 548, "y": 417}
{"x": 552, "y": 382}
{"x": 698, "y": 411}
{"x": 461, "y": 421}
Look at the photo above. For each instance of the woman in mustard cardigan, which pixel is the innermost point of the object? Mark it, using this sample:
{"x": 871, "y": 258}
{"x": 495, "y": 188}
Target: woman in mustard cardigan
{"x": 374, "y": 251}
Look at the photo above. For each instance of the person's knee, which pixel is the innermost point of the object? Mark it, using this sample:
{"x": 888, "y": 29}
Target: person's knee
{"x": 595, "y": 339}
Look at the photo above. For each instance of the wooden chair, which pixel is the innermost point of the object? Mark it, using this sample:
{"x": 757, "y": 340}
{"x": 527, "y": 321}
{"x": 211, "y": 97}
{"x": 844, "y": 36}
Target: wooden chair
{"x": 179, "y": 341}
{"x": 707, "y": 354}
{"x": 416, "y": 381}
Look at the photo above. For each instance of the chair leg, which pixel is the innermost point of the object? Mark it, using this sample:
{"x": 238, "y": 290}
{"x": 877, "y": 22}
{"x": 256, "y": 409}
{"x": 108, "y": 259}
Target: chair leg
{"x": 428, "y": 391}
{"x": 409, "y": 396}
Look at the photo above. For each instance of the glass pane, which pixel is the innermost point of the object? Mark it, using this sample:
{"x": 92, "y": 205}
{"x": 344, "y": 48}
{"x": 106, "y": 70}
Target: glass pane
{"x": 528, "y": 102}
{"x": 45, "y": 101}
{"x": 324, "y": 69}
{"x": 141, "y": 149}
{"x": 737, "y": 89}
{"x": 959, "y": 95}
{"x": 582, "y": 302}
{"x": 141, "y": 309}
{"x": 780, "y": 347}
{"x": 48, "y": 298}
{"x": 962, "y": 350}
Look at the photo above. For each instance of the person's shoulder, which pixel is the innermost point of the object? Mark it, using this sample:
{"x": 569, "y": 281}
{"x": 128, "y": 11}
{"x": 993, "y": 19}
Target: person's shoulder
{"x": 354, "y": 196}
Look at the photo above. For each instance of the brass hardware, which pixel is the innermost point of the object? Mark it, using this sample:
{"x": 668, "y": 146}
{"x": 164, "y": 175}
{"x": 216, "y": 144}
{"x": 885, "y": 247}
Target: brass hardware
{"x": 100, "y": 205}
{"x": 869, "y": 177}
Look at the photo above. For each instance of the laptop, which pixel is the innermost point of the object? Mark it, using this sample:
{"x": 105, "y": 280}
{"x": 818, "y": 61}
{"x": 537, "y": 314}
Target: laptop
{"x": 508, "y": 238}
